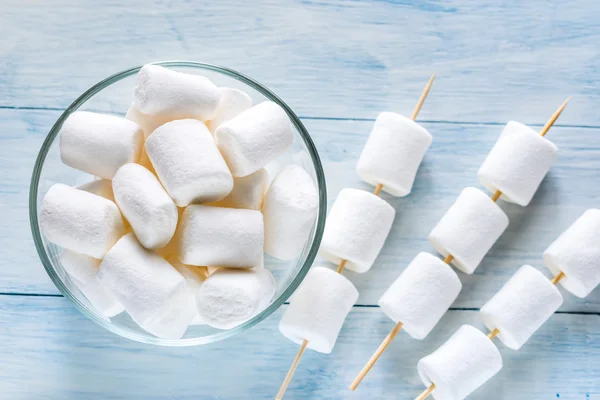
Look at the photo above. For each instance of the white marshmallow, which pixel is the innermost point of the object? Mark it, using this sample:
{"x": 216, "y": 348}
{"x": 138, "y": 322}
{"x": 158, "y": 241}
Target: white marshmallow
{"x": 469, "y": 229}
{"x": 194, "y": 276}
{"x": 523, "y": 304}
{"x": 318, "y": 309}
{"x": 356, "y": 229}
{"x": 148, "y": 123}
{"x": 222, "y": 237}
{"x": 80, "y": 221}
{"x": 83, "y": 270}
{"x": 462, "y": 364}
{"x": 99, "y": 144}
{"x": 290, "y": 209}
{"x": 233, "y": 102}
{"x": 248, "y": 191}
{"x": 517, "y": 163}
{"x": 99, "y": 187}
{"x": 393, "y": 153}
{"x": 144, "y": 282}
{"x": 146, "y": 205}
{"x": 175, "y": 318}
{"x": 421, "y": 295}
{"x": 167, "y": 93}
{"x": 576, "y": 252}
{"x": 255, "y": 137}
{"x": 230, "y": 297}
{"x": 188, "y": 162}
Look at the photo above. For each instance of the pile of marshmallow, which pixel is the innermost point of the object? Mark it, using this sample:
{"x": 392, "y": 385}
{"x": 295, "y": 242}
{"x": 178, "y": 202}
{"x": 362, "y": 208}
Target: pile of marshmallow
{"x": 175, "y": 229}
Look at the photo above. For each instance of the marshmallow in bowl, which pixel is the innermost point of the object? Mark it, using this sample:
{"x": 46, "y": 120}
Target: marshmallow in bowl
{"x": 223, "y": 237}
{"x": 188, "y": 162}
{"x": 393, "y": 153}
{"x": 146, "y": 205}
{"x": 144, "y": 282}
{"x": 248, "y": 191}
{"x": 99, "y": 144}
{"x": 100, "y": 187}
{"x": 233, "y": 102}
{"x": 229, "y": 297}
{"x": 80, "y": 221}
{"x": 290, "y": 209}
{"x": 163, "y": 92}
{"x": 194, "y": 276}
{"x": 255, "y": 137}
{"x": 83, "y": 270}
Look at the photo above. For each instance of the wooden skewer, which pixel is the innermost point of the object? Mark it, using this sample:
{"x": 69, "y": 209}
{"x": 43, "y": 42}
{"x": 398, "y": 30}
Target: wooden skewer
{"x": 427, "y": 392}
{"x": 493, "y": 333}
{"x": 290, "y": 374}
{"x": 497, "y": 194}
{"x": 340, "y": 269}
{"x": 554, "y": 117}
{"x": 341, "y": 266}
{"x": 422, "y": 98}
{"x": 378, "y": 189}
{"x": 558, "y": 278}
{"x": 543, "y": 132}
{"x": 386, "y": 342}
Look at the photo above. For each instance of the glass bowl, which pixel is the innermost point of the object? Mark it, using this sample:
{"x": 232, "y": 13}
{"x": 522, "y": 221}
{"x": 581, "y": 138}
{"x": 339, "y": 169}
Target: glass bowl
{"x": 114, "y": 95}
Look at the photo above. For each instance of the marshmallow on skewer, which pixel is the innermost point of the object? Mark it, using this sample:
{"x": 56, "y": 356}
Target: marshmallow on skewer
{"x": 188, "y": 162}
{"x": 469, "y": 229}
{"x": 523, "y": 304}
{"x": 80, "y": 221}
{"x": 421, "y": 295}
{"x": 99, "y": 144}
{"x": 83, "y": 270}
{"x": 255, "y": 137}
{"x": 517, "y": 163}
{"x": 248, "y": 191}
{"x": 222, "y": 237}
{"x": 393, "y": 153}
{"x": 146, "y": 205}
{"x": 290, "y": 209}
{"x": 356, "y": 229}
{"x": 167, "y": 93}
{"x": 230, "y": 297}
{"x": 462, "y": 364}
{"x": 576, "y": 253}
{"x": 233, "y": 102}
{"x": 100, "y": 187}
{"x": 144, "y": 282}
{"x": 318, "y": 309}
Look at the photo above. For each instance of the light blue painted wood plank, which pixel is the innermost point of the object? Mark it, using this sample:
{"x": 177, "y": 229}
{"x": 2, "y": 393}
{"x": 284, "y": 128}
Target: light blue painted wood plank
{"x": 495, "y": 60}
{"x": 49, "y": 351}
{"x": 450, "y": 165}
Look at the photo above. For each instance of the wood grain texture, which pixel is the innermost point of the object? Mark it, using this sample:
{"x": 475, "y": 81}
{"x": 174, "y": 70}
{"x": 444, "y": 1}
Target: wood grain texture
{"x": 449, "y": 166}
{"x": 351, "y": 59}
{"x": 338, "y": 64}
{"x": 67, "y": 356}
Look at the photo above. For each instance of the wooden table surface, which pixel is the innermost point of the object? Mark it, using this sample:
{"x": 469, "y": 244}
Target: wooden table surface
{"x": 337, "y": 64}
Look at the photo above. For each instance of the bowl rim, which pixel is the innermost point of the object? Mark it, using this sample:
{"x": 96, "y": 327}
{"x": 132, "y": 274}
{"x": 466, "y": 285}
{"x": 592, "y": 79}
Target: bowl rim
{"x": 310, "y": 257}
